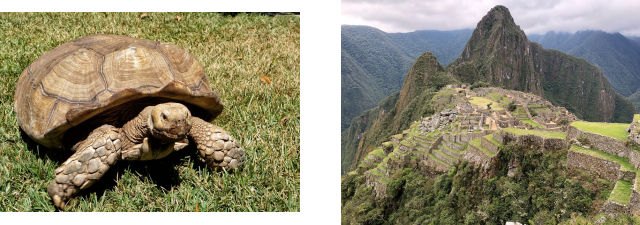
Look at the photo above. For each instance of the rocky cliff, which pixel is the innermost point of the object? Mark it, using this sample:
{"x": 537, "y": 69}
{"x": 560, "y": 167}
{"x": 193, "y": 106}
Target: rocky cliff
{"x": 500, "y": 54}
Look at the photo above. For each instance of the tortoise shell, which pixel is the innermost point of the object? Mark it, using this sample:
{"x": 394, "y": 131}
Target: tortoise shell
{"x": 102, "y": 79}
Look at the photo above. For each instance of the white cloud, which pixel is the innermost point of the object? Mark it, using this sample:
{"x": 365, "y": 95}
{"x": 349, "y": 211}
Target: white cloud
{"x": 532, "y": 16}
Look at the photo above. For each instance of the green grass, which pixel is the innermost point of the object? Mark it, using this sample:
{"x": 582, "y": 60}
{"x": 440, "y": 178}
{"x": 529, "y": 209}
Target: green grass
{"x": 433, "y": 157}
{"x": 544, "y": 134}
{"x": 636, "y": 117}
{"x": 482, "y": 103}
{"x": 458, "y": 152}
{"x": 489, "y": 138}
{"x": 624, "y": 162}
{"x": 477, "y": 143}
{"x": 408, "y": 143}
{"x": 235, "y": 52}
{"x": 378, "y": 152}
{"x": 614, "y": 130}
{"x": 531, "y": 122}
{"x": 621, "y": 192}
{"x": 440, "y": 152}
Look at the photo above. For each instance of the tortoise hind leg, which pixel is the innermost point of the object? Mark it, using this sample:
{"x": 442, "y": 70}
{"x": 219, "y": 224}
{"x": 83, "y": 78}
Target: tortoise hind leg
{"x": 91, "y": 160}
{"x": 216, "y": 147}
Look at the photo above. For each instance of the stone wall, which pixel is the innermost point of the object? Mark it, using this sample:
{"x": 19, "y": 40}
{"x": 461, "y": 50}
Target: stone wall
{"x": 554, "y": 143}
{"x": 607, "y": 144}
{"x": 369, "y": 162}
{"x": 477, "y": 157}
{"x": 634, "y": 130}
{"x": 613, "y": 207}
{"x": 634, "y": 158}
{"x": 498, "y": 137}
{"x": 379, "y": 187}
{"x": 488, "y": 145}
{"x": 397, "y": 161}
{"x": 603, "y": 168}
{"x": 627, "y": 175}
{"x": 546, "y": 144}
{"x": 435, "y": 144}
{"x": 634, "y": 204}
{"x": 435, "y": 165}
{"x": 466, "y": 137}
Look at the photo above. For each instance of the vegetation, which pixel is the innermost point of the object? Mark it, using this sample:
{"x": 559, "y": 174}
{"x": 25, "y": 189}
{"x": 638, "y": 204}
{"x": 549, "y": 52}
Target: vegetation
{"x": 466, "y": 195}
{"x": 621, "y": 192}
{"x": 235, "y": 52}
{"x": 489, "y": 137}
{"x": 532, "y": 123}
{"x": 373, "y": 67}
{"x": 485, "y": 103}
{"x": 375, "y": 63}
{"x": 563, "y": 122}
{"x": 478, "y": 144}
{"x": 615, "y": 219}
{"x": 394, "y": 114}
{"x": 541, "y": 133}
{"x": 624, "y": 162}
{"x": 562, "y": 76}
{"x": 511, "y": 106}
{"x": 378, "y": 152}
{"x": 610, "y": 51}
{"x": 614, "y": 130}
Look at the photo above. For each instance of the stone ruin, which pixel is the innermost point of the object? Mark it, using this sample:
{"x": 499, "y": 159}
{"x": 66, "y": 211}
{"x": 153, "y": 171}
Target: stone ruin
{"x": 438, "y": 121}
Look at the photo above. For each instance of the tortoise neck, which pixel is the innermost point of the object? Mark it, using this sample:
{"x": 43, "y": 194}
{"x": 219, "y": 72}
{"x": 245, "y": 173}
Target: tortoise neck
{"x": 137, "y": 129}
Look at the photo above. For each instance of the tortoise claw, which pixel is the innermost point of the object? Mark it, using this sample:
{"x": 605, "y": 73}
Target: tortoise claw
{"x": 216, "y": 146}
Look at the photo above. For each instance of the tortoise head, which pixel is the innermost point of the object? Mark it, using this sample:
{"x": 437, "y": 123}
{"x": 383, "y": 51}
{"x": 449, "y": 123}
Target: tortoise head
{"x": 170, "y": 121}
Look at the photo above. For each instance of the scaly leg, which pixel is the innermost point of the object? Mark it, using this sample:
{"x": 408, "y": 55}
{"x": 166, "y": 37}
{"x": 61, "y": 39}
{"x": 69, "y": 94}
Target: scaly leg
{"x": 91, "y": 160}
{"x": 218, "y": 148}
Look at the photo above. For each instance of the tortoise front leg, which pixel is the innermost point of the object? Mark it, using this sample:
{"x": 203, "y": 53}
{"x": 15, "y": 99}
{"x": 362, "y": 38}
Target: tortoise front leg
{"x": 216, "y": 147}
{"x": 91, "y": 160}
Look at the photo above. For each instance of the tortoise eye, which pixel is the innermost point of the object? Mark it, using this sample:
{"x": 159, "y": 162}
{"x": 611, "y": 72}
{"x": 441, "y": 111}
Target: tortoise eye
{"x": 164, "y": 116}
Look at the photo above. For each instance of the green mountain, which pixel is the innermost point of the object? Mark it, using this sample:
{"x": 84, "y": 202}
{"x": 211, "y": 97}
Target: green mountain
{"x": 374, "y": 63}
{"x": 373, "y": 67}
{"x": 500, "y": 54}
{"x": 416, "y": 99}
{"x": 616, "y": 55}
{"x": 445, "y": 45}
{"x": 434, "y": 153}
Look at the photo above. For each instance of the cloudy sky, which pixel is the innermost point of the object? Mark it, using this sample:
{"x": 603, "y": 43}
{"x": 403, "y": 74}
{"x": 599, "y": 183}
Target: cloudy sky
{"x": 534, "y": 17}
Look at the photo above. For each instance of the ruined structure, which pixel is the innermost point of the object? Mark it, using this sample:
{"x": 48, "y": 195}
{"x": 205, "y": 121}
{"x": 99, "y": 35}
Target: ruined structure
{"x": 484, "y": 119}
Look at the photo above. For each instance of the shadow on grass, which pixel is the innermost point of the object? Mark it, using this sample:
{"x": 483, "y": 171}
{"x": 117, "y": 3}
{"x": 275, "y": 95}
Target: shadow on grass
{"x": 162, "y": 172}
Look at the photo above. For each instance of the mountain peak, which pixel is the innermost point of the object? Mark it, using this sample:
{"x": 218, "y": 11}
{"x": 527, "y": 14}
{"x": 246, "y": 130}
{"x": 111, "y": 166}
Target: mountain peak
{"x": 503, "y": 49}
{"x": 499, "y": 53}
{"x": 498, "y": 17}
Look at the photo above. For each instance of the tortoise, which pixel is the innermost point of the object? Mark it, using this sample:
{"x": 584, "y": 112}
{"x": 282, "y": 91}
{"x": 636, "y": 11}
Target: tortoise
{"x": 108, "y": 98}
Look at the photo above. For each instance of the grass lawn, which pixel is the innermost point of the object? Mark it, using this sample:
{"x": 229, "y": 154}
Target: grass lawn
{"x": 624, "y": 162}
{"x": 236, "y": 52}
{"x": 621, "y": 192}
{"x": 477, "y": 143}
{"x": 433, "y": 157}
{"x": 378, "y": 152}
{"x": 614, "y": 130}
{"x": 544, "y": 134}
{"x": 489, "y": 138}
{"x": 531, "y": 122}
{"x": 482, "y": 103}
